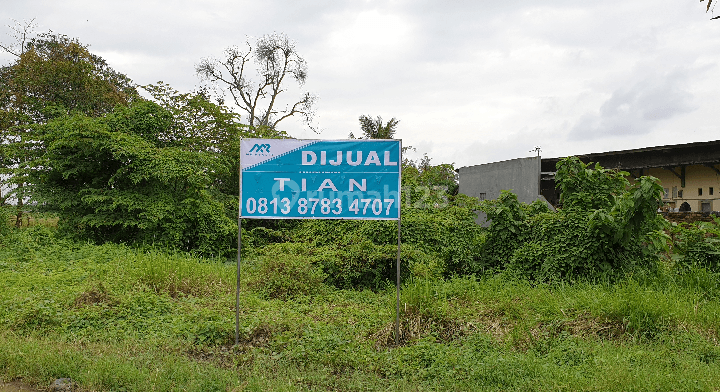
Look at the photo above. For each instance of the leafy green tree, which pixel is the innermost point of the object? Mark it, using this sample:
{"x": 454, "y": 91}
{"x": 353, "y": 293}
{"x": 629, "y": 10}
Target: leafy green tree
{"x": 277, "y": 61}
{"x": 200, "y": 125}
{"x": 51, "y": 76}
{"x": 124, "y": 178}
{"x": 588, "y": 187}
{"x": 422, "y": 173}
{"x": 56, "y": 75}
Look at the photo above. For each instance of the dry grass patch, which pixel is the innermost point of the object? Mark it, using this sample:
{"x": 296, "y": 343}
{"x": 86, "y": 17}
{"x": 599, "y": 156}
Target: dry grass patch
{"x": 97, "y": 294}
{"x": 414, "y": 326}
{"x": 586, "y": 325}
{"x": 190, "y": 286}
{"x": 234, "y": 356}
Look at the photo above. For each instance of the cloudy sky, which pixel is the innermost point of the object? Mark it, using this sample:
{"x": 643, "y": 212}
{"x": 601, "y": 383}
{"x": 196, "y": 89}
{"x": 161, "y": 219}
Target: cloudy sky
{"x": 470, "y": 81}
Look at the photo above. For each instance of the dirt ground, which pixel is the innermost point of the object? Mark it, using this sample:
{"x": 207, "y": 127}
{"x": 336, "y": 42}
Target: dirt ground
{"x": 16, "y": 386}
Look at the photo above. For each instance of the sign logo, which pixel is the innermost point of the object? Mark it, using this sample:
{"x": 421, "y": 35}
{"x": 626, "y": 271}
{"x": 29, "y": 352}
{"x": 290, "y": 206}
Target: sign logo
{"x": 260, "y": 148}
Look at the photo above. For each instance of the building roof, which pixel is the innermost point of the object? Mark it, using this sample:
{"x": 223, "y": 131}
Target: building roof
{"x": 669, "y": 156}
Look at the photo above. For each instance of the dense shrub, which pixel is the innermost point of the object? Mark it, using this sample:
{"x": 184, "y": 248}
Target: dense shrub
{"x": 283, "y": 276}
{"x": 360, "y": 265}
{"x": 450, "y": 233}
{"x": 435, "y": 242}
{"x": 605, "y": 226}
{"x": 117, "y": 178}
{"x": 696, "y": 245}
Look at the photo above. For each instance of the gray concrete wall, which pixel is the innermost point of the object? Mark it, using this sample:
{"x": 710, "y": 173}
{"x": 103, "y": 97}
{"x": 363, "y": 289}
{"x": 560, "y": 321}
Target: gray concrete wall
{"x": 521, "y": 176}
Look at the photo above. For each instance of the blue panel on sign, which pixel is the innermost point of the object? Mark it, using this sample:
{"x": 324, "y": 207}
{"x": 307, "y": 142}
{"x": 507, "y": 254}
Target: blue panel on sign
{"x": 320, "y": 179}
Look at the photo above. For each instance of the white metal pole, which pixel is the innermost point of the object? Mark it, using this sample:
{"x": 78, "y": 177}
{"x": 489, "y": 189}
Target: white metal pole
{"x": 397, "y": 264}
{"x": 239, "y": 249}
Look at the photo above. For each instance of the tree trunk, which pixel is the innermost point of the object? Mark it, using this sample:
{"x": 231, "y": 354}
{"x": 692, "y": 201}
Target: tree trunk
{"x": 19, "y": 211}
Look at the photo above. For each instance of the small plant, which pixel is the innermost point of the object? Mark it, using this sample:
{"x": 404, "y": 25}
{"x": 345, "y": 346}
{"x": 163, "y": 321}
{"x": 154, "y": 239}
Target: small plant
{"x": 180, "y": 274}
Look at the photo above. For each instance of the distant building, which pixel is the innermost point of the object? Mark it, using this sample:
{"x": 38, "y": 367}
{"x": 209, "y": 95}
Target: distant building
{"x": 689, "y": 174}
{"x": 521, "y": 176}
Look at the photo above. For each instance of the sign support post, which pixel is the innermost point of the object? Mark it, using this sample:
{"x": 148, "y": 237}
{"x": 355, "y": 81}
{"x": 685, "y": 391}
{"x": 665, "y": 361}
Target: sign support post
{"x": 397, "y": 285}
{"x": 239, "y": 245}
{"x": 319, "y": 179}
{"x": 397, "y": 263}
{"x": 237, "y": 285}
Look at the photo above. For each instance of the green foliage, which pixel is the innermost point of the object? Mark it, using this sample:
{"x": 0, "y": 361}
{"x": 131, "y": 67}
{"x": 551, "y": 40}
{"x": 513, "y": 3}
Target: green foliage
{"x": 588, "y": 188}
{"x": 450, "y": 234}
{"x": 438, "y": 234}
{"x": 374, "y": 128}
{"x": 54, "y": 76}
{"x": 76, "y": 138}
{"x": 178, "y": 274}
{"x": 363, "y": 265}
{"x": 5, "y": 215}
{"x": 696, "y": 245}
{"x": 428, "y": 185}
{"x": 507, "y": 232}
{"x": 352, "y": 265}
{"x": 57, "y": 75}
{"x": 435, "y": 242}
{"x": 438, "y": 220}
{"x": 199, "y": 125}
{"x": 101, "y": 313}
{"x": 434, "y": 297}
{"x": 118, "y": 178}
{"x": 605, "y": 228}
{"x": 285, "y": 275}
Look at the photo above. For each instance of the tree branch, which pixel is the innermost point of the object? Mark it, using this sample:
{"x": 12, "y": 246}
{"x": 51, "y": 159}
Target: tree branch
{"x": 21, "y": 33}
{"x": 275, "y": 57}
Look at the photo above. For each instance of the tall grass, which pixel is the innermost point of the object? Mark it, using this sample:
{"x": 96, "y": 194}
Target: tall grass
{"x": 116, "y": 318}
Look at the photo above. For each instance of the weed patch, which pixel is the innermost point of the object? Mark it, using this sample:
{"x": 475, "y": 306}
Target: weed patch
{"x": 181, "y": 275}
{"x": 284, "y": 277}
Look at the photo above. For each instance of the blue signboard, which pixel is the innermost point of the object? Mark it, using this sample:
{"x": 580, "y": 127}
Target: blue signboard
{"x": 320, "y": 179}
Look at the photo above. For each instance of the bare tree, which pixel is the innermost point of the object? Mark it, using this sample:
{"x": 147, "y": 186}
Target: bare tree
{"x": 21, "y": 35}
{"x": 708, "y": 8}
{"x": 275, "y": 59}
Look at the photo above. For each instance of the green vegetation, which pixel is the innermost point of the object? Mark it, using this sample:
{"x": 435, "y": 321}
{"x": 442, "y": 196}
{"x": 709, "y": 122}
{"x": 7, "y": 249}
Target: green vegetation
{"x": 123, "y": 178}
{"x": 52, "y": 76}
{"x": 77, "y": 140}
{"x": 116, "y": 318}
{"x": 317, "y": 305}
{"x": 605, "y": 228}
{"x": 127, "y": 282}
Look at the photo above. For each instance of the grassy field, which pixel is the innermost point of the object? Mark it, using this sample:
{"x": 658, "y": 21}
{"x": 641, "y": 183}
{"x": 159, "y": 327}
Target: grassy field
{"x": 114, "y": 318}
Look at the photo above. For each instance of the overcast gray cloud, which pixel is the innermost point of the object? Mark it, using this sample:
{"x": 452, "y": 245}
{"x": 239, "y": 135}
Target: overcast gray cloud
{"x": 471, "y": 81}
{"x": 635, "y": 109}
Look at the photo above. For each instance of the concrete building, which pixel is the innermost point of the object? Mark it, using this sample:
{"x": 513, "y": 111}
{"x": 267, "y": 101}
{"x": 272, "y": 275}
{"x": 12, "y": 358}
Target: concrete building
{"x": 521, "y": 176}
{"x": 689, "y": 174}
